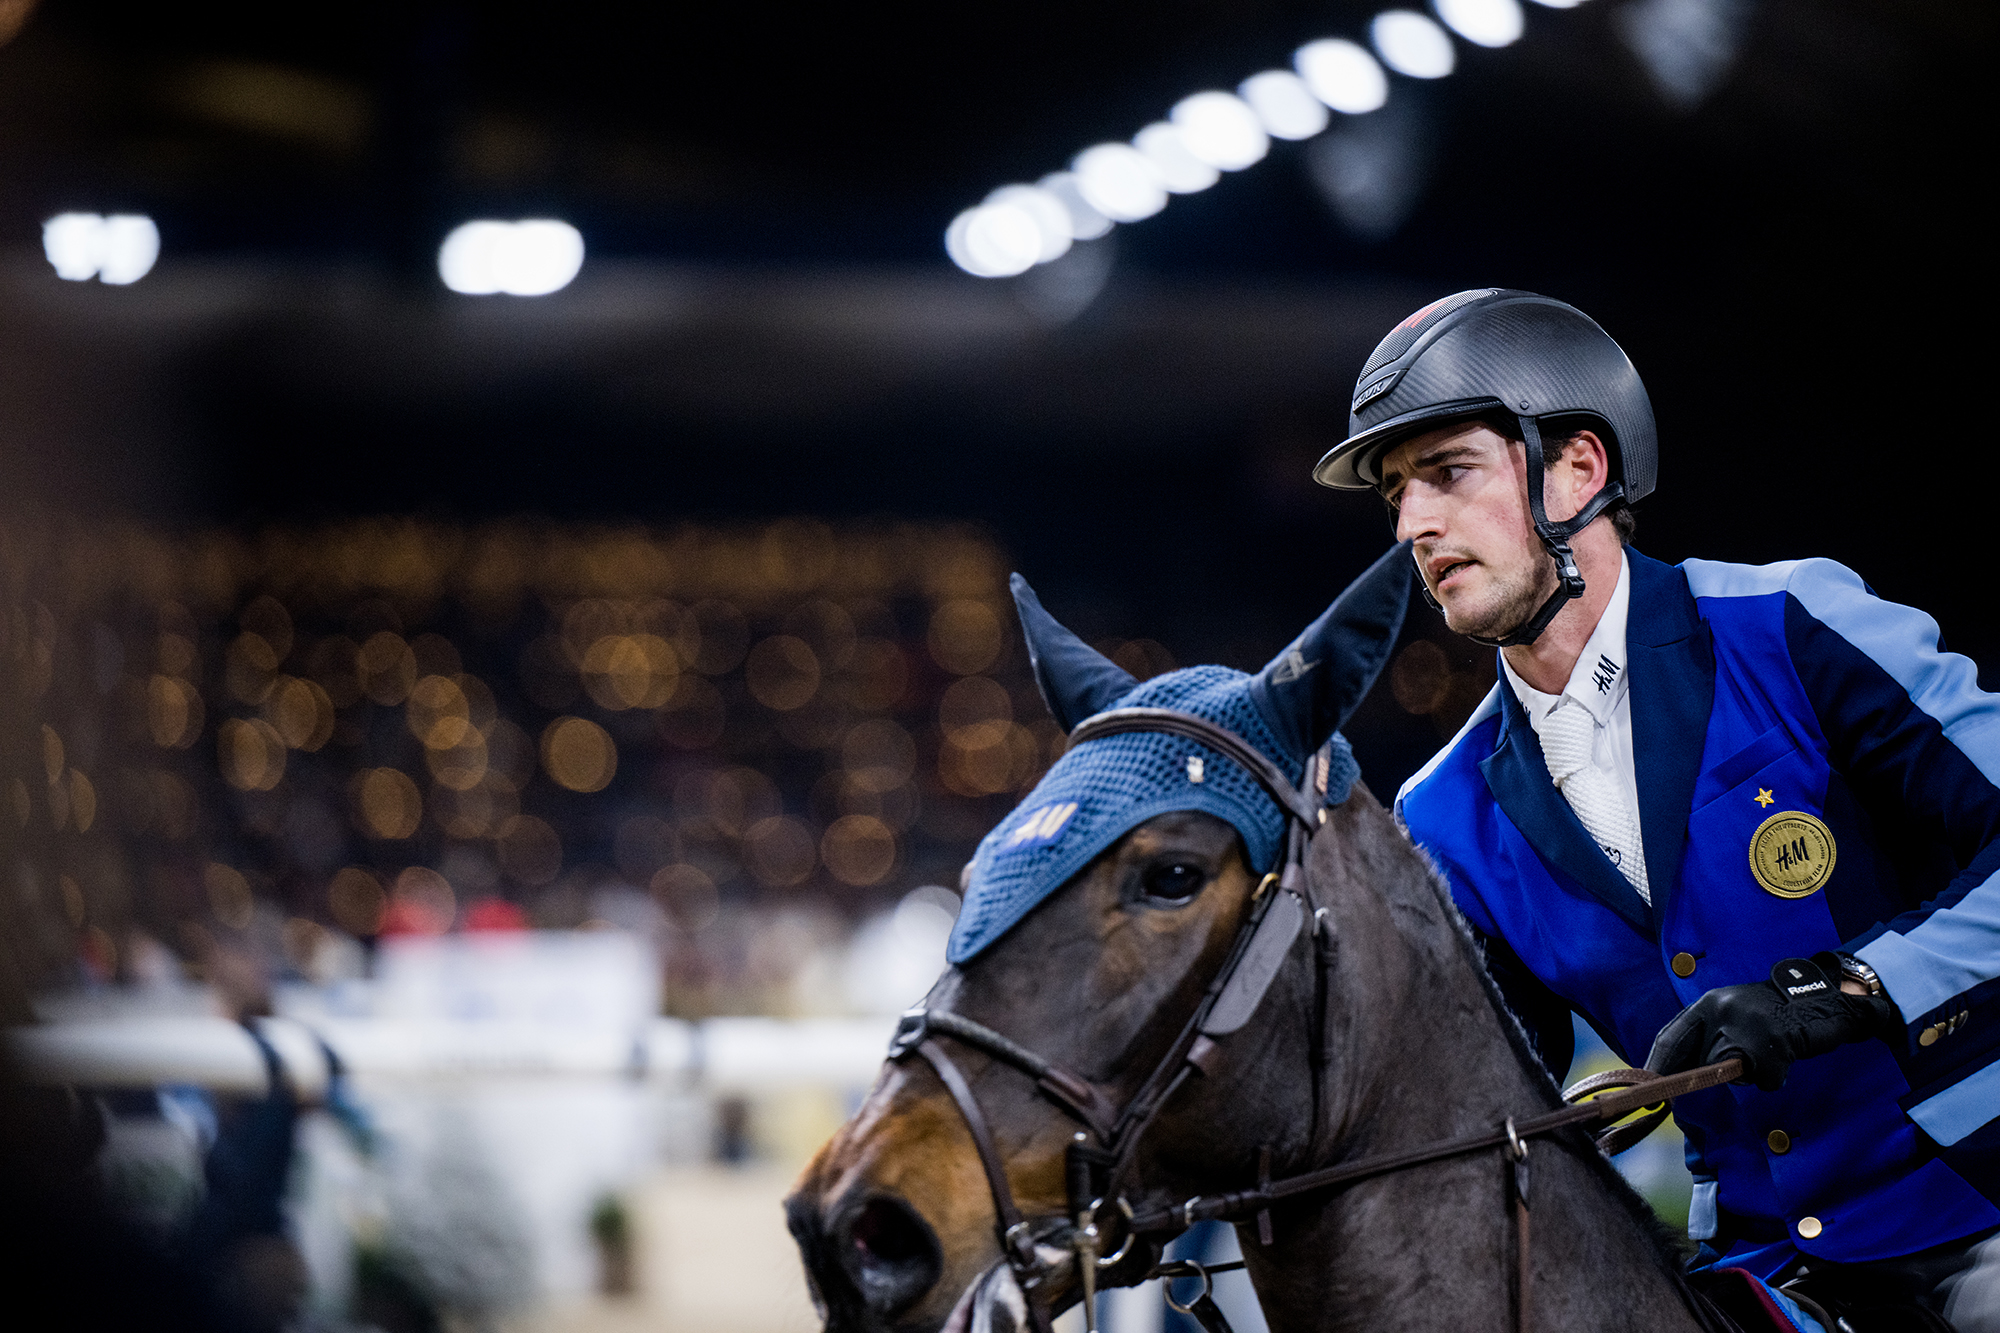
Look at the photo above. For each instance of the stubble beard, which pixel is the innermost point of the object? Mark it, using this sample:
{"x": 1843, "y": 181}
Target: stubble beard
{"x": 1515, "y": 597}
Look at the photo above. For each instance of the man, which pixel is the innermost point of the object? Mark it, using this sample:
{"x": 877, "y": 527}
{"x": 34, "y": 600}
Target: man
{"x": 1715, "y": 809}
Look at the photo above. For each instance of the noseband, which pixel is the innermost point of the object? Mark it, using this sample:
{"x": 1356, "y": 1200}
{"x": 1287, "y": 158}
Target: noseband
{"x": 1095, "y": 1171}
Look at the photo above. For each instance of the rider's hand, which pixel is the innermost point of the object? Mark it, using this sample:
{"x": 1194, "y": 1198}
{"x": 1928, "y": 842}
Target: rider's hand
{"x": 1800, "y": 1012}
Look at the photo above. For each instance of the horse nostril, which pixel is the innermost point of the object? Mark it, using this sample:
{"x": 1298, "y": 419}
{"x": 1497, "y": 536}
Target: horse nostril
{"x": 894, "y": 1254}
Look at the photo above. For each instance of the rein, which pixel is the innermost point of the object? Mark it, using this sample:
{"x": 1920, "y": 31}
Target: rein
{"x": 1264, "y": 940}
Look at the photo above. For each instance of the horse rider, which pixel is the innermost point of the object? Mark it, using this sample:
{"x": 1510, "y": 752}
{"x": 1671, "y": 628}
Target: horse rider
{"x": 1715, "y": 809}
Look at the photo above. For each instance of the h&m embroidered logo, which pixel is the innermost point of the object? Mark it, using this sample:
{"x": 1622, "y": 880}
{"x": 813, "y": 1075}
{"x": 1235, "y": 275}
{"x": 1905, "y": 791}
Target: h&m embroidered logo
{"x": 1605, "y": 673}
{"x": 1040, "y": 828}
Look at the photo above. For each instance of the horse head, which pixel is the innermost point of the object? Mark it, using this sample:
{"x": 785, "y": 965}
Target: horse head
{"x": 1120, "y": 928}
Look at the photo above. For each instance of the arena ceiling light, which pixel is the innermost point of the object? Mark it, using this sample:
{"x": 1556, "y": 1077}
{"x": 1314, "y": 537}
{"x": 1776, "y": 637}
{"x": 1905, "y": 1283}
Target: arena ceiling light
{"x": 1412, "y": 44}
{"x": 118, "y": 250}
{"x": 1179, "y": 170}
{"x": 994, "y": 240}
{"x": 1221, "y": 129}
{"x": 1208, "y": 133}
{"x": 1120, "y": 182}
{"x": 1284, "y": 105}
{"x": 1483, "y": 22}
{"x": 532, "y": 257}
{"x": 1342, "y": 75}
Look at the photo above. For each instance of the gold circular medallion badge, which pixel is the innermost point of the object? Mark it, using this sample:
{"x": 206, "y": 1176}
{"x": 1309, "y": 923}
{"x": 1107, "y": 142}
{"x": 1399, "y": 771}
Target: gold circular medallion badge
{"x": 1791, "y": 854}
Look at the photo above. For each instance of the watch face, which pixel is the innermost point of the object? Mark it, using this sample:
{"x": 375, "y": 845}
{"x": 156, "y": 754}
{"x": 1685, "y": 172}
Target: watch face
{"x": 1861, "y": 972}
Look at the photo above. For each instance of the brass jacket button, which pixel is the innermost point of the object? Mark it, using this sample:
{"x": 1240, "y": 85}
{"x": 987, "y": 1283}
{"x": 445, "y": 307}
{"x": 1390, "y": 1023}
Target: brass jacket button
{"x": 1929, "y": 1036}
{"x": 1780, "y": 1141}
{"x": 1683, "y": 964}
{"x": 1809, "y": 1227}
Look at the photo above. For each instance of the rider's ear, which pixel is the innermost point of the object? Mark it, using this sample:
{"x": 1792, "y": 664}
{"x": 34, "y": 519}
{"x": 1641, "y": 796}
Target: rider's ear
{"x": 1308, "y": 691}
{"x": 1075, "y": 679}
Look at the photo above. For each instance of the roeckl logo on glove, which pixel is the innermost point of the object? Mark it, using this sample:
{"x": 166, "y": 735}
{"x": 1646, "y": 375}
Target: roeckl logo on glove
{"x": 1806, "y": 989}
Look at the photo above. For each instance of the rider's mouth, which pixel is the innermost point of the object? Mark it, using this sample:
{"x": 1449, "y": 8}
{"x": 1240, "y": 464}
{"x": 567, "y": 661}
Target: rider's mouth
{"x": 1443, "y": 575}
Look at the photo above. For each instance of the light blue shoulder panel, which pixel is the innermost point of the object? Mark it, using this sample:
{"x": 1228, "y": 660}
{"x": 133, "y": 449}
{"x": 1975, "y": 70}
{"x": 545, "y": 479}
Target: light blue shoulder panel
{"x": 1959, "y": 947}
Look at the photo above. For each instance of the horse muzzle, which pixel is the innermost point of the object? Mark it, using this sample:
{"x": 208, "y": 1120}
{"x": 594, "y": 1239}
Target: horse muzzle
{"x": 870, "y": 1261}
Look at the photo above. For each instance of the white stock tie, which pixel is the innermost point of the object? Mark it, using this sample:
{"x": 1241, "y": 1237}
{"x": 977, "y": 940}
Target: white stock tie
{"x": 1567, "y": 735}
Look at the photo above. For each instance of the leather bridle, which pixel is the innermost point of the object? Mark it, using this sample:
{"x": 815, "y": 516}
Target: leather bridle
{"x": 1103, "y": 1150}
{"x": 1095, "y": 1172}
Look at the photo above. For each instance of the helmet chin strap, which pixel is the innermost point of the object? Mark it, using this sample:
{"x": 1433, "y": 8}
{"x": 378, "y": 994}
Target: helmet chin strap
{"x": 1555, "y": 538}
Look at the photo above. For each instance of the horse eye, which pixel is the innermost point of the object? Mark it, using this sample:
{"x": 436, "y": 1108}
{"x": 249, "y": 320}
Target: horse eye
{"x": 1176, "y": 880}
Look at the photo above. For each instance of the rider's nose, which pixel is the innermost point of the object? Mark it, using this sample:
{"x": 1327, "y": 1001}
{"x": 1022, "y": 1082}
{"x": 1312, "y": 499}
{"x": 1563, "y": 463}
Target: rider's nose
{"x": 1416, "y": 516}
{"x": 891, "y": 1253}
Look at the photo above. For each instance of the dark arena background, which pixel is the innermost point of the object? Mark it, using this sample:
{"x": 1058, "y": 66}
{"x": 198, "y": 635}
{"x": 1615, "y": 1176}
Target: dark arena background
{"x": 554, "y": 721}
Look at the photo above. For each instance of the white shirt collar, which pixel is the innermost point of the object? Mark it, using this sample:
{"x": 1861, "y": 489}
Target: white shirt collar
{"x": 1597, "y": 682}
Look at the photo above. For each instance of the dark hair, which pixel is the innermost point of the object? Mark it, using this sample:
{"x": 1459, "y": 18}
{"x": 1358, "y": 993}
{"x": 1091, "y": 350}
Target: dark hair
{"x": 1561, "y": 430}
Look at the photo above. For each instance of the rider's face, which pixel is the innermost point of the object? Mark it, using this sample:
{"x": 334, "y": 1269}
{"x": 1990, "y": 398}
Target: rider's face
{"x": 1461, "y": 498}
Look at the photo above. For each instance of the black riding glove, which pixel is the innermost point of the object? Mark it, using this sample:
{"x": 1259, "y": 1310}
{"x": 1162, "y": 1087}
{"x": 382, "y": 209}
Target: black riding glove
{"x": 1800, "y": 1012}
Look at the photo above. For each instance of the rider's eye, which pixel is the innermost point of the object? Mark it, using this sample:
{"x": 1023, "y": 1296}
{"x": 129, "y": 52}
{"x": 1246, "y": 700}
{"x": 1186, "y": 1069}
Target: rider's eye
{"x": 1175, "y": 881}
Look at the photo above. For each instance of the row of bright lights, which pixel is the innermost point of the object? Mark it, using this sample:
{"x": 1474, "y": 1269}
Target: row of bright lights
{"x": 532, "y": 257}
{"x": 1019, "y": 226}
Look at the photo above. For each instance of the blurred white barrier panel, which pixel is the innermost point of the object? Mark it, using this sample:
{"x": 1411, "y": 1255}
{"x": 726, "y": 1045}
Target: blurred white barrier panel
{"x": 546, "y": 1003}
{"x": 725, "y": 1054}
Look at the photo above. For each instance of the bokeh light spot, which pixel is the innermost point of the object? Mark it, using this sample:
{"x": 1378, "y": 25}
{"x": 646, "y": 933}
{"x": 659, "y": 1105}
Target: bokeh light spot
{"x": 1412, "y": 44}
{"x": 688, "y": 895}
{"x": 1490, "y": 23}
{"x": 1342, "y": 75}
{"x": 387, "y": 667}
{"x": 1285, "y": 106}
{"x": 250, "y": 668}
{"x": 300, "y": 712}
{"x": 252, "y": 754}
{"x": 117, "y": 250}
{"x": 532, "y": 257}
{"x": 579, "y": 754}
{"x": 355, "y": 898}
{"x": 782, "y": 673}
{"x": 859, "y": 850}
{"x": 229, "y": 895}
{"x": 422, "y": 904}
{"x": 82, "y": 800}
{"x": 975, "y": 711}
{"x": 965, "y": 637}
{"x": 174, "y": 712}
{"x": 1221, "y": 130}
{"x": 529, "y": 850}
{"x": 779, "y": 851}
{"x": 1119, "y": 181}
{"x": 1179, "y": 170}
{"x": 879, "y": 754}
{"x": 388, "y": 803}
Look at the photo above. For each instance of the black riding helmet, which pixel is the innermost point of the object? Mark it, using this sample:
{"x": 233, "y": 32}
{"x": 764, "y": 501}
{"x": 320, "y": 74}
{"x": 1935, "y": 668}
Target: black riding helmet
{"x": 1496, "y": 351}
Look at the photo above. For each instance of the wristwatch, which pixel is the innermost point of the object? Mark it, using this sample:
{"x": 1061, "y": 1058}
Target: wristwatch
{"x": 1854, "y": 968}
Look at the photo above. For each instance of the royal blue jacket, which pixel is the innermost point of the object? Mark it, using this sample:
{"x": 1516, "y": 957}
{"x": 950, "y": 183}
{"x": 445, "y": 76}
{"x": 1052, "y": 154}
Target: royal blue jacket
{"x": 1756, "y": 691}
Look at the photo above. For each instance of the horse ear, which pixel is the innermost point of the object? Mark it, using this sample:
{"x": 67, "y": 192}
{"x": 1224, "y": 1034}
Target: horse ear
{"x": 1075, "y": 679}
{"x": 1308, "y": 691}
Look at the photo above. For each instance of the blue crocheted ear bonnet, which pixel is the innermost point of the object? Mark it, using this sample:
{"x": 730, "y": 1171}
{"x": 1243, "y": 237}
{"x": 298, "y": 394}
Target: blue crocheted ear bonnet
{"x": 1103, "y": 788}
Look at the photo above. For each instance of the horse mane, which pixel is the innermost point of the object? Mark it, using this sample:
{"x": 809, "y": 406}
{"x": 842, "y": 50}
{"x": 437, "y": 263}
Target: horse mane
{"x": 1668, "y": 1248}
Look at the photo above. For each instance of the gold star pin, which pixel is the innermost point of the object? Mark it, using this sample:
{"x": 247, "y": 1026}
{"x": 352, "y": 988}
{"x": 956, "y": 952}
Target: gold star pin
{"x": 1764, "y": 796}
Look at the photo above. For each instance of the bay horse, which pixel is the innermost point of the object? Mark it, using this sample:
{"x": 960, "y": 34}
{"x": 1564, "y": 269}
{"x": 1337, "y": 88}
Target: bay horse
{"x": 1094, "y": 1057}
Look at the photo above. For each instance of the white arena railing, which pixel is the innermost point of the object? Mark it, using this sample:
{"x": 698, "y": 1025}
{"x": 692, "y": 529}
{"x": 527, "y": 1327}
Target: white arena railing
{"x": 721, "y": 1055}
